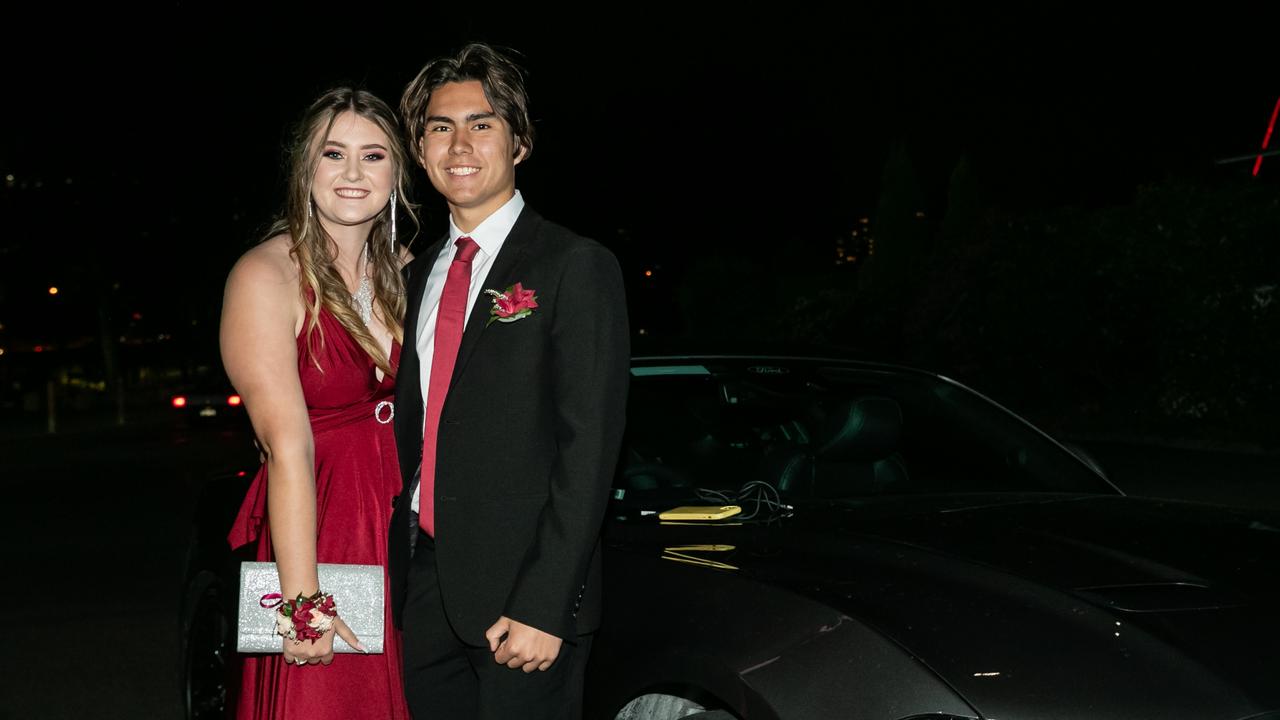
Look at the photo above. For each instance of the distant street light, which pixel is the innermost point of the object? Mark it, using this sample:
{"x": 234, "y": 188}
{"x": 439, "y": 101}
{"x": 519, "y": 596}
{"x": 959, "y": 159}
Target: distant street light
{"x": 53, "y": 291}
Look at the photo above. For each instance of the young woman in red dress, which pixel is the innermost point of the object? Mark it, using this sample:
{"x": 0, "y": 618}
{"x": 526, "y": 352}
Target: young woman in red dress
{"x": 311, "y": 332}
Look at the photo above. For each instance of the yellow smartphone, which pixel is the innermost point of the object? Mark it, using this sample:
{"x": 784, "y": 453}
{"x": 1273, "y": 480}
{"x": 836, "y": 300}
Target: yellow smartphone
{"x": 700, "y": 512}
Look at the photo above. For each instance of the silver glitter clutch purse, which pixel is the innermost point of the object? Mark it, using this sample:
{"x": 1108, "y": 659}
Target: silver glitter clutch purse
{"x": 357, "y": 591}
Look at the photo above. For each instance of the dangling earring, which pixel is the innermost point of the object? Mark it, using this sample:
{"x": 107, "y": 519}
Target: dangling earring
{"x": 309, "y": 206}
{"x": 393, "y": 222}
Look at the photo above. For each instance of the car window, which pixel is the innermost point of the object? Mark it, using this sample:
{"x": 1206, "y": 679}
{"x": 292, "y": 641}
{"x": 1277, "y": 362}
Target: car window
{"x": 828, "y": 431}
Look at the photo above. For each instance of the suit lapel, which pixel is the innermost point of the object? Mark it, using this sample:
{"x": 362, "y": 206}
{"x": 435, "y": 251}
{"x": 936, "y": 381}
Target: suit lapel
{"x": 408, "y": 419}
{"x": 414, "y": 291}
{"x": 499, "y": 277}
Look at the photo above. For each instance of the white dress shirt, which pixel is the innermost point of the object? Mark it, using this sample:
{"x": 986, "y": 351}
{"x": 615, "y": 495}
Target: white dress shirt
{"x": 489, "y": 236}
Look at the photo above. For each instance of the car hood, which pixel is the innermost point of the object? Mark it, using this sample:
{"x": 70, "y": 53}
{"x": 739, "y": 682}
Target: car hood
{"x": 1114, "y": 606}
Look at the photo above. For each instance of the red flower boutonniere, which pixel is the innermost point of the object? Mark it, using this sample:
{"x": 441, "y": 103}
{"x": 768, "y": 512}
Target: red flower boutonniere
{"x": 511, "y": 304}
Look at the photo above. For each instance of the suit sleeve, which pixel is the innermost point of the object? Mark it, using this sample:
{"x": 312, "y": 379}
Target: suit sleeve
{"x": 591, "y": 357}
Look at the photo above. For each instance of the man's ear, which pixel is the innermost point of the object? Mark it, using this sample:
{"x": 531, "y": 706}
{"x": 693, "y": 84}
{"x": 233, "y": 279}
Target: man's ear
{"x": 421, "y": 155}
{"x": 521, "y": 153}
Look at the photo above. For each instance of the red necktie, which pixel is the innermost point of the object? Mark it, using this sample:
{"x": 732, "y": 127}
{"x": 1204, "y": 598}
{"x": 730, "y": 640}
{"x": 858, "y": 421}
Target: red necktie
{"x": 449, "y": 321}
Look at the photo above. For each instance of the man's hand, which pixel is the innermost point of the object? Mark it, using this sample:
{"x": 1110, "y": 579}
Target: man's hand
{"x": 524, "y": 646}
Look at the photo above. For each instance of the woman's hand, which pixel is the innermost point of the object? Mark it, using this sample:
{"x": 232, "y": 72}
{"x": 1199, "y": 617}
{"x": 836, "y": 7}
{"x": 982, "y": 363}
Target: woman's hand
{"x": 310, "y": 652}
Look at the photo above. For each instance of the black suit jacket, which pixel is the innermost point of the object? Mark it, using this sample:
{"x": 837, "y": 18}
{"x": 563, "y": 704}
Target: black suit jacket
{"x": 528, "y": 440}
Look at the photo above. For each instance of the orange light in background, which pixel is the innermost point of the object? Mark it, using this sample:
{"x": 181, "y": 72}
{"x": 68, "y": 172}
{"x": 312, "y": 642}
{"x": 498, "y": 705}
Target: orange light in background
{"x": 233, "y": 400}
{"x": 1, "y": 351}
{"x": 53, "y": 291}
{"x": 648, "y": 273}
{"x": 179, "y": 401}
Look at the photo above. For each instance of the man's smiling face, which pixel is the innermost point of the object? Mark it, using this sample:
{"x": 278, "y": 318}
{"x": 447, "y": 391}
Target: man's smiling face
{"x": 468, "y": 152}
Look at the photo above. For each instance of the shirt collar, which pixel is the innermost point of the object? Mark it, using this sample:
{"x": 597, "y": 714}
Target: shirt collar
{"x": 491, "y": 233}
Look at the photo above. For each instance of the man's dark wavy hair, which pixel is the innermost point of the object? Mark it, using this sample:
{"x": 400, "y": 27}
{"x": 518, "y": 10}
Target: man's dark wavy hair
{"x": 501, "y": 77}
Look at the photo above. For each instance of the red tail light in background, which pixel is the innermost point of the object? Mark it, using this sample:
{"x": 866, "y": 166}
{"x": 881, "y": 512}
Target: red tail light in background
{"x": 233, "y": 400}
{"x": 179, "y": 401}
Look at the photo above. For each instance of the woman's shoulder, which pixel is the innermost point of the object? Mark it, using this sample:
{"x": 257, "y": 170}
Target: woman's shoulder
{"x": 266, "y": 272}
{"x": 268, "y": 260}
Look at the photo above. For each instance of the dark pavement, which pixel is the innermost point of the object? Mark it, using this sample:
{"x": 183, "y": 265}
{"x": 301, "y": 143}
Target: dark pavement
{"x": 95, "y": 531}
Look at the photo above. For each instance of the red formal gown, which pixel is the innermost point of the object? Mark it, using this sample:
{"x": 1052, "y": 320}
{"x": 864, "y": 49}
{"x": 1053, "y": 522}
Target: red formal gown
{"x": 357, "y": 475}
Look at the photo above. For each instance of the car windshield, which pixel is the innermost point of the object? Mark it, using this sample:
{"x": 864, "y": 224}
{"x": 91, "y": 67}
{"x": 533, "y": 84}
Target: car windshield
{"x": 829, "y": 430}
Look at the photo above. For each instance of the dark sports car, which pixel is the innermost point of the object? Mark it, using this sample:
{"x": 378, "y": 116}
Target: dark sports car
{"x": 903, "y": 548}
{"x": 907, "y": 548}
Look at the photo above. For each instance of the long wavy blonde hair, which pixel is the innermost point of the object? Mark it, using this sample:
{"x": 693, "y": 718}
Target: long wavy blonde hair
{"x": 315, "y": 251}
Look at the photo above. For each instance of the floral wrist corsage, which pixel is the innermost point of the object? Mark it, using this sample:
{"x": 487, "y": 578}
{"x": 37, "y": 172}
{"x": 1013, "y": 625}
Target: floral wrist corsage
{"x": 303, "y": 618}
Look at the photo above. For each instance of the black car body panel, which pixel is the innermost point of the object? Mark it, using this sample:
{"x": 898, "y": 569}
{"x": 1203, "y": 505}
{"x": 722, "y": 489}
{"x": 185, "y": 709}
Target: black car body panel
{"x": 1111, "y": 607}
{"x": 992, "y": 574}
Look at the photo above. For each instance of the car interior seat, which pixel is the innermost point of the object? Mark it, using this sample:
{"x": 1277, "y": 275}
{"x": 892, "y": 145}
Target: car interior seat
{"x": 853, "y": 452}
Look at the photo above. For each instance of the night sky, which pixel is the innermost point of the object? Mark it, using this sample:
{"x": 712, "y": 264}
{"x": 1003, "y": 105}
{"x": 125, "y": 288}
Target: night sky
{"x": 154, "y": 155}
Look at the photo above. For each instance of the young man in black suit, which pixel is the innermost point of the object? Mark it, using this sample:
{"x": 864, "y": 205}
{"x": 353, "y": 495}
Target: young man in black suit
{"x": 510, "y": 405}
